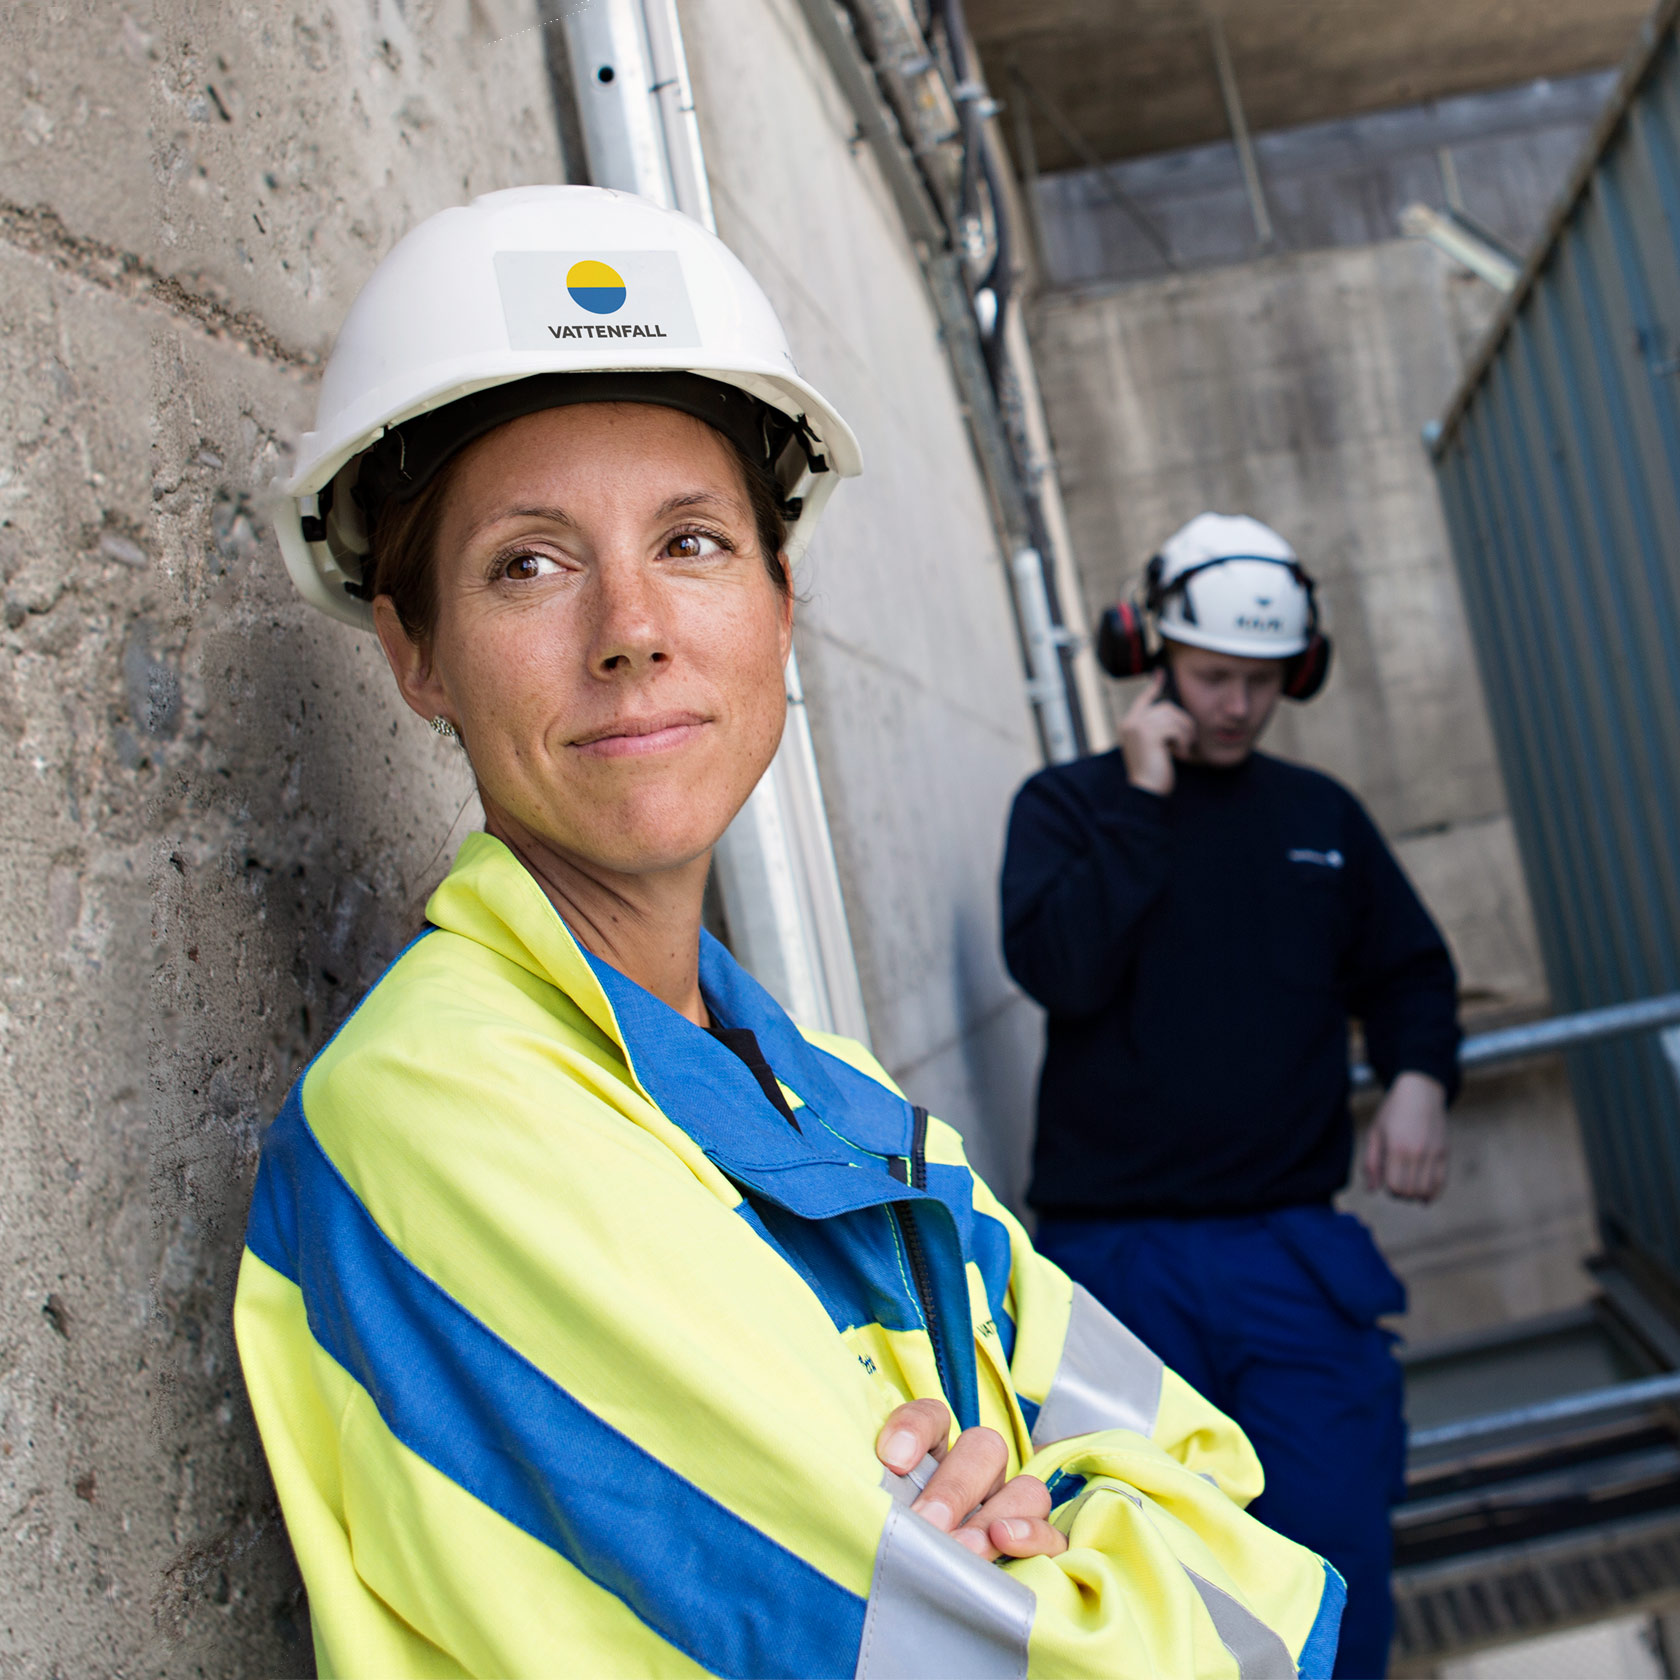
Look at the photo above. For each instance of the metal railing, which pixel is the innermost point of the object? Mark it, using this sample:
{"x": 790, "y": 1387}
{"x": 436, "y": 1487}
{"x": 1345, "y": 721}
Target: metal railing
{"x": 1647, "y": 1391}
{"x": 1560, "y": 1032}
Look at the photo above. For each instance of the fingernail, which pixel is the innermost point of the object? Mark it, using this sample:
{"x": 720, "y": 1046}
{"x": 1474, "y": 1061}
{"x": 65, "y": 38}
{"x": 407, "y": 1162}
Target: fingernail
{"x": 934, "y": 1512}
{"x": 900, "y": 1451}
{"x": 1016, "y": 1528}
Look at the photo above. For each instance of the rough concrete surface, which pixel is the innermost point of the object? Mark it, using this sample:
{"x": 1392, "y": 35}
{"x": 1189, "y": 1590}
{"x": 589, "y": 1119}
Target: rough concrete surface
{"x": 219, "y": 822}
{"x": 1471, "y": 877}
{"x": 266, "y": 156}
{"x": 1295, "y": 388}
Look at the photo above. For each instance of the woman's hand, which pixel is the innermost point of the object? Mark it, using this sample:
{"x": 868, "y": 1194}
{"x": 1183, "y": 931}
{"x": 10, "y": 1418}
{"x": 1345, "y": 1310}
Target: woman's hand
{"x": 966, "y": 1496}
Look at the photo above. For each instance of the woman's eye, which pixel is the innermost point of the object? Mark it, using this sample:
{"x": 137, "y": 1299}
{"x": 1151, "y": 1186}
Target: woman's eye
{"x": 691, "y": 545}
{"x": 521, "y": 568}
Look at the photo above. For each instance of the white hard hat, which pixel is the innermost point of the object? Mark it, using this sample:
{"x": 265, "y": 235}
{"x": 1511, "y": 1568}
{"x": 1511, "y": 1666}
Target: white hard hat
{"x": 1229, "y": 583}
{"x": 533, "y": 282}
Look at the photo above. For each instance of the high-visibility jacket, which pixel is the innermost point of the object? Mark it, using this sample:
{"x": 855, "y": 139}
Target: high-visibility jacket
{"x": 569, "y": 1354}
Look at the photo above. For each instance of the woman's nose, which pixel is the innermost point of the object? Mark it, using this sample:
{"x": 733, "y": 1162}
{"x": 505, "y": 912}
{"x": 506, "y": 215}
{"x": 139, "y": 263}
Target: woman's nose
{"x": 629, "y": 627}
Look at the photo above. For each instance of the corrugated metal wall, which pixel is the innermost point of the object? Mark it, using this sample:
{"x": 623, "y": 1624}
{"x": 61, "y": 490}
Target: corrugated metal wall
{"x": 1559, "y": 465}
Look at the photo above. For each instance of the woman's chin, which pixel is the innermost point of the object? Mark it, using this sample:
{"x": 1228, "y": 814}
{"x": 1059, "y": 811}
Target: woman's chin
{"x": 642, "y": 842}
{"x": 652, "y": 822}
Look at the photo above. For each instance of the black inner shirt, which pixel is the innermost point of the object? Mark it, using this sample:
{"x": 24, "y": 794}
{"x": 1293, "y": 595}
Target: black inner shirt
{"x": 743, "y": 1042}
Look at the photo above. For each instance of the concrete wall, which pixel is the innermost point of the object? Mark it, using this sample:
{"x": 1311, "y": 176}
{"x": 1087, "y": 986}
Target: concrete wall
{"x": 906, "y": 645}
{"x": 220, "y": 822}
{"x": 1294, "y": 388}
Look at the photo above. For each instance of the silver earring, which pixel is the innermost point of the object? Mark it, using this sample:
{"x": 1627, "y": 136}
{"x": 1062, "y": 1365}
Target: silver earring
{"x": 442, "y": 726}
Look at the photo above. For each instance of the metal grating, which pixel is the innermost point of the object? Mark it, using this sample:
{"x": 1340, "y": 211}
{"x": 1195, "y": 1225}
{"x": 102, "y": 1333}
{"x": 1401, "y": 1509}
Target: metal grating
{"x": 1521, "y": 1592}
{"x": 1559, "y": 466}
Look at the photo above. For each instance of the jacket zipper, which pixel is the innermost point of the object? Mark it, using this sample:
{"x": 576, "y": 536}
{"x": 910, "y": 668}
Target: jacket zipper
{"x": 914, "y": 1251}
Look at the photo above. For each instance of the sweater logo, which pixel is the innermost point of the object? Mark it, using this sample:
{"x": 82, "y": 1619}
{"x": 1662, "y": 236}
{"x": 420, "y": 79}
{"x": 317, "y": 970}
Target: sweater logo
{"x": 1324, "y": 860}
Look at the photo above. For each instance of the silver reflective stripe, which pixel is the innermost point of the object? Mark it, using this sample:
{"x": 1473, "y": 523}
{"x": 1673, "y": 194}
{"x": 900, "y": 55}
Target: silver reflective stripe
{"x": 1107, "y": 1378}
{"x": 906, "y": 1489}
{"x": 936, "y": 1612}
{"x": 1068, "y": 1513}
{"x": 1259, "y": 1653}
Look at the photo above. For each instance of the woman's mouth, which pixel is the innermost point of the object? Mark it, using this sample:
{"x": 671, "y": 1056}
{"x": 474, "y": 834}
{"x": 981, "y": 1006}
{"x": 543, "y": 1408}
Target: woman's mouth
{"x": 639, "y": 737}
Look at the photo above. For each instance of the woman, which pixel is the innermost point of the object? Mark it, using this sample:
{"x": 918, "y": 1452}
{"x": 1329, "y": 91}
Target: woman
{"x": 596, "y": 1320}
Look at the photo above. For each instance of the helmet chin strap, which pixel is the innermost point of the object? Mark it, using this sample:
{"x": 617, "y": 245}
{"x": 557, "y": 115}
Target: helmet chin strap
{"x": 1159, "y": 590}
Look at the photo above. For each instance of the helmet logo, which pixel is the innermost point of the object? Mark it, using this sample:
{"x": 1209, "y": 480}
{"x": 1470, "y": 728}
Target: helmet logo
{"x": 596, "y": 287}
{"x": 570, "y": 300}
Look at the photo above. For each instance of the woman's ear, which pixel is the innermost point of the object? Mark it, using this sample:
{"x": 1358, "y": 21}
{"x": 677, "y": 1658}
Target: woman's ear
{"x": 410, "y": 662}
{"x": 786, "y": 595}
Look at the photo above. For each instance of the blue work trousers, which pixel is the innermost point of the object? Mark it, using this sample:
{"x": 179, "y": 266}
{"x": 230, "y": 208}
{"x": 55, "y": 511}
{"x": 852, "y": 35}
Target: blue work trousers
{"x": 1274, "y": 1318}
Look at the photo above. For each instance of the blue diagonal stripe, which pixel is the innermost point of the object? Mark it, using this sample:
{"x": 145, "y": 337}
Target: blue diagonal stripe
{"x": 1318, "y": 1655}
{"x": 453, "y": 1392}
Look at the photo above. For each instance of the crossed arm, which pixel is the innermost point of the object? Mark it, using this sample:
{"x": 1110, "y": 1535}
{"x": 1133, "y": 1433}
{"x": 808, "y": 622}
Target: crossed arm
{"x": 967, "y": 1496}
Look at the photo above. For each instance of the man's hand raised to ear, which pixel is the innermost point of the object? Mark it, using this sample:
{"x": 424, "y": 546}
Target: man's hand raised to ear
{"x": 967, "y": 1497}
{"x": 1153, "y": 733}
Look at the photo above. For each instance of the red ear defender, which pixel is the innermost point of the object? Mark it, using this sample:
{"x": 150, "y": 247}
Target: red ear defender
{"x": 1122, "y": 647}
{"x": 1305, "y": 674}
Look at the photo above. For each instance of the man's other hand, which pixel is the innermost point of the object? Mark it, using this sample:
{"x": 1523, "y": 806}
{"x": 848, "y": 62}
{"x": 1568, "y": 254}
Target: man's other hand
{"x": 967, "y": 1497}
{"x": 1152, "y": 734}
{"x": 1406, "y": 1151}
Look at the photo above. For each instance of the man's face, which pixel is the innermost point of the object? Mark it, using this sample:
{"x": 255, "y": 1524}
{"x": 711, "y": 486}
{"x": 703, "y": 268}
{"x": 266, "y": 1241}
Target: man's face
{"x": 1231, "y": 699}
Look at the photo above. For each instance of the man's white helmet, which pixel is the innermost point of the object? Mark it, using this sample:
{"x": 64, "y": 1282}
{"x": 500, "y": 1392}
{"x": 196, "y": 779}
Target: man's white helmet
{"x": 1229, "y": 583}
{"x": 544, "y": 281}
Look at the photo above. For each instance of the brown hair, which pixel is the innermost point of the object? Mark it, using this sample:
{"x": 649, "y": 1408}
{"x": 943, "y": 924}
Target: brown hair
{"x": 402, "y": 563}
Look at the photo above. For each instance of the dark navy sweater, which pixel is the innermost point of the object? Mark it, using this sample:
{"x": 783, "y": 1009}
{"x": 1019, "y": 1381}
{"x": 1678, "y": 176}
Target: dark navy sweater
{"x": 1200, "y": 955}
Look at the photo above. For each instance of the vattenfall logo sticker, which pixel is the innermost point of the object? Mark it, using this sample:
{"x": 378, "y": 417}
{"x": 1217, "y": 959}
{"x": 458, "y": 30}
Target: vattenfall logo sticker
{"x": 566, "y": 299}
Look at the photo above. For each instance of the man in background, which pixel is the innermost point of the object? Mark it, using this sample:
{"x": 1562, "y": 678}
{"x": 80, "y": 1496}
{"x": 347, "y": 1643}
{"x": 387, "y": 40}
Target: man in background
{"x": 1201, "y": 920}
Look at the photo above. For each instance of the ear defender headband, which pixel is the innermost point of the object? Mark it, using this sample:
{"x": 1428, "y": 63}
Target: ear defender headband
{"x": 1125, "y": 647}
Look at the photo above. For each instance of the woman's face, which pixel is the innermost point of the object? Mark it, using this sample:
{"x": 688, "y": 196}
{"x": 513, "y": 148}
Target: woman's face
{"x": 609, "y": 642}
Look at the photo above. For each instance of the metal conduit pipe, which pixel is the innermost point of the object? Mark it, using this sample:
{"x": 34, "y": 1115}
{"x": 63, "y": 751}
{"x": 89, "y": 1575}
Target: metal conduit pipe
{"x": 1067, "y": 689}
{"x": 1078, "y": 689}
{"x": 776, "y": 868}
{"x": 1041, "y": 635}
{"x": 978, "y": 314}
{"x": 1038, "y": 612}
{"x": 1080, "y": 668}
{"x": 971, "y": 98}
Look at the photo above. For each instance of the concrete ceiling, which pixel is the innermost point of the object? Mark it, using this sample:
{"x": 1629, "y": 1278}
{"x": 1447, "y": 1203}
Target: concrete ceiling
{"x": 1138, "y": 76}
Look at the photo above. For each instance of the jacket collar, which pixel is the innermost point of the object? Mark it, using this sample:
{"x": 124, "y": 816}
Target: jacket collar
{"x": 699, "y": 1085}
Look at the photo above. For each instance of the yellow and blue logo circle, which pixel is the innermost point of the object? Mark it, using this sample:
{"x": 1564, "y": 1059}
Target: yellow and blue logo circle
{"x": 595, "y": 287}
